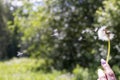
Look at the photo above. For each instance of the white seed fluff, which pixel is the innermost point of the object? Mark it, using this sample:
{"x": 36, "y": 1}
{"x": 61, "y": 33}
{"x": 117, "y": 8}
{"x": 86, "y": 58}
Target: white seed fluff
{"x": 104, "y": 34}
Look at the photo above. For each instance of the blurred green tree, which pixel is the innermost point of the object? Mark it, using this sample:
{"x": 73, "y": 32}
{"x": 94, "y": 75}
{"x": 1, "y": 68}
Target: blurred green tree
{"x": 61, "y": 30}
{"x": 73, "y": 28}
{"x": 5, "y": 15}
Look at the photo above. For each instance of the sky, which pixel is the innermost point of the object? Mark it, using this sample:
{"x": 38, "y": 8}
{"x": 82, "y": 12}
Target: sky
{"x": 20, "y": 2}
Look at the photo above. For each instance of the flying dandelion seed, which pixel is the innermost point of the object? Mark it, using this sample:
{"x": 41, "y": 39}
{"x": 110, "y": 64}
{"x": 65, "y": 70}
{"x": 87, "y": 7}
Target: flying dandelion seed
{"x": 19, "y": 54}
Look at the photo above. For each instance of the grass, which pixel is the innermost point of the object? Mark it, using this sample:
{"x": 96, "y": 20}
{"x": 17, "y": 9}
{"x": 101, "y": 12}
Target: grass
{"x": 23, "y": 69}
{"x": 27, "y": 69}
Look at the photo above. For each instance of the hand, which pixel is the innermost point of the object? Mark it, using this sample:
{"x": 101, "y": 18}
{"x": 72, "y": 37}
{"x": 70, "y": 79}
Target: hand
{"x": 106, "y": 73}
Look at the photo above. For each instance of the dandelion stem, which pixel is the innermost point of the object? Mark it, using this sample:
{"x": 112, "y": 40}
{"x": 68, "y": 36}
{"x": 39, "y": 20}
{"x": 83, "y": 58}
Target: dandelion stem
{"x": 108, "y": 54}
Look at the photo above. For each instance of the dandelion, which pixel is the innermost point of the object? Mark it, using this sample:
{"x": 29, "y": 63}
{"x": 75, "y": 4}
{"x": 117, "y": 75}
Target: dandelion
{"x": 105, "y": 35}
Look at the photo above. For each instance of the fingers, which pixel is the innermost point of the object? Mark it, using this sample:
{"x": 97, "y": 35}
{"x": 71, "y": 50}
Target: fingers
{"x": 108, "y": 71}
{"x": 101, "y": 75}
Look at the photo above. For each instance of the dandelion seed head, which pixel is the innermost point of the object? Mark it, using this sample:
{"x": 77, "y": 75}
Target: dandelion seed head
{"x": 104, "y": 34}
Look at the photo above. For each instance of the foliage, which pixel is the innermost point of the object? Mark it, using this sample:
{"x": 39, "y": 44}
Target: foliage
{"x": 116, "y": 70}
{"x": 109, "y": 16}
{"x": 75, "y": 41}
{"x": 62, "y": 33}
{"x": 84, "y": 73}
{"x": 23, "y": 69}
{"x": 31, "y": 25}
{"x": 5, "y": 15}
{"x": 59, "y": 30}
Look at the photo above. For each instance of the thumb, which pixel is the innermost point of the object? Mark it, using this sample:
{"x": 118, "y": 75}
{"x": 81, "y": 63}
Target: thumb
{"x": 108, "y": 71}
